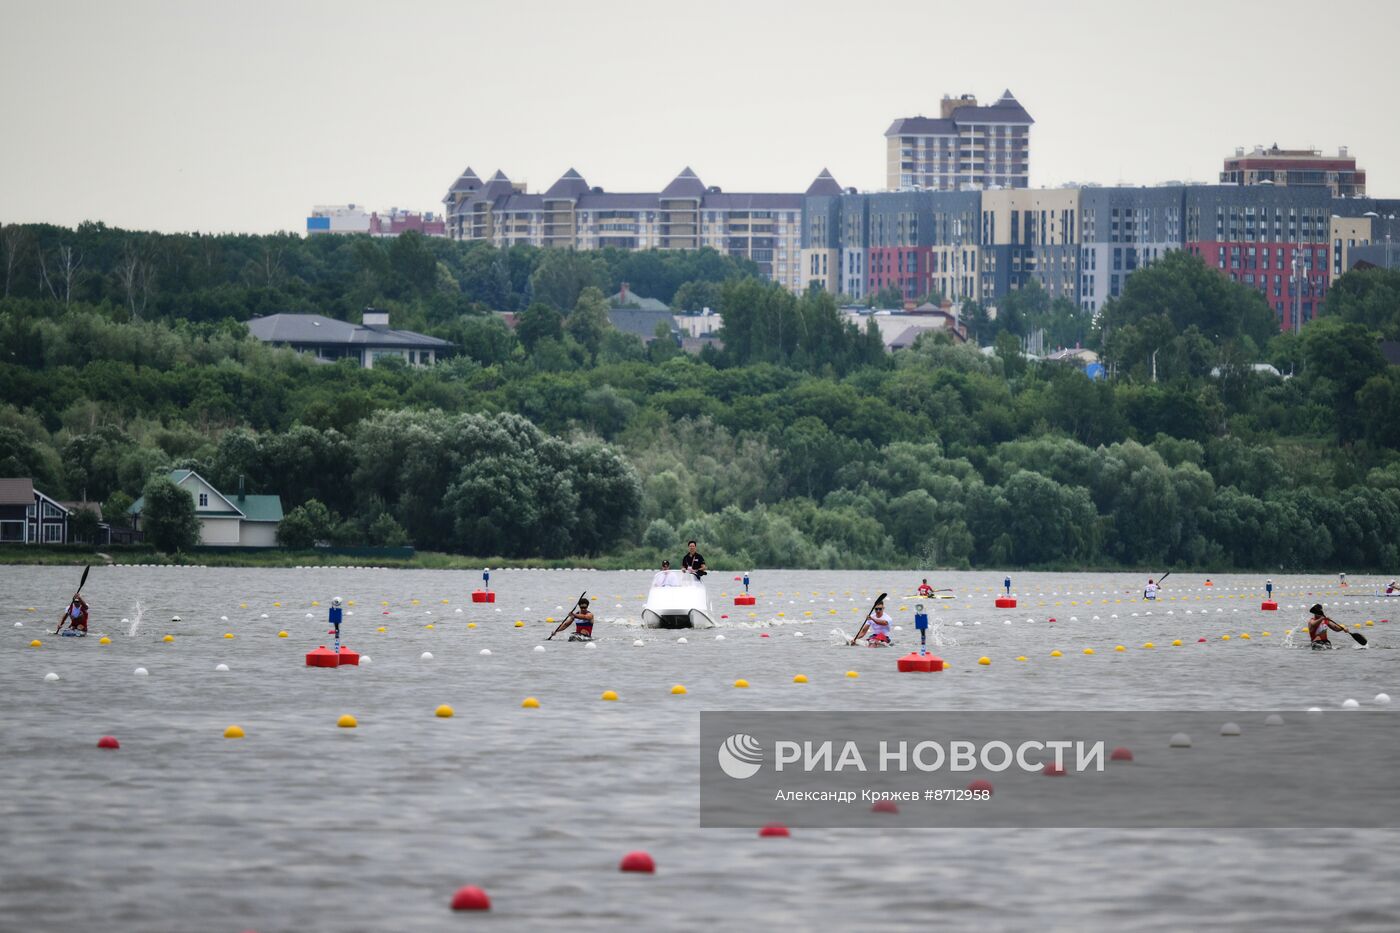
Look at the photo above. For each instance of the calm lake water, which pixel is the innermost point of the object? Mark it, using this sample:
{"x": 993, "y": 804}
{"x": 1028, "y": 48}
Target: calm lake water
{"x": 305, "y": 826}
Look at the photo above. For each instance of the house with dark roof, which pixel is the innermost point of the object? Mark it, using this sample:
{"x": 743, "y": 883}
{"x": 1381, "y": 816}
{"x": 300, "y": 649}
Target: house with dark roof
{"x": 330, "y": 340}
{"x": 236, "y": 520}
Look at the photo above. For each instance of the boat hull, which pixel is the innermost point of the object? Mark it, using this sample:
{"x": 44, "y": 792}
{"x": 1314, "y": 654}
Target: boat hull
{"x": 679, "y": 602}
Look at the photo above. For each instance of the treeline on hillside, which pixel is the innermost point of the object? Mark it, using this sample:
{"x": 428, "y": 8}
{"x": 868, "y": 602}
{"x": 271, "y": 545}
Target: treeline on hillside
{"x": 797, "y": 445}
{"x": 426, "y": 281}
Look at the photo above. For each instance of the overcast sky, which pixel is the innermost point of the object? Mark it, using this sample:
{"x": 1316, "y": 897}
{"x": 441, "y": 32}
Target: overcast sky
{"x": 240, "y": 116}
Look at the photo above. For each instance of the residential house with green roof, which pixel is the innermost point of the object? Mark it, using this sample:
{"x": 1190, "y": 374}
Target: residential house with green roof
{"x": 237, "y": 520}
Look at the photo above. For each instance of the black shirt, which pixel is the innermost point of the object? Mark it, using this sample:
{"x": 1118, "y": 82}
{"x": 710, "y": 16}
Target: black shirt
{"x": 693, "y": 562}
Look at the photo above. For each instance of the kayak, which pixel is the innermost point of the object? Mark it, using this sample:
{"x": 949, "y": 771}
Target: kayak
{"x": 580, "y": 638}
{"x": 934, "y": 596}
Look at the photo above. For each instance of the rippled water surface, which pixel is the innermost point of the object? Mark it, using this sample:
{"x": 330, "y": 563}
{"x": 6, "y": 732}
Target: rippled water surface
{"x": 305, "y": 826}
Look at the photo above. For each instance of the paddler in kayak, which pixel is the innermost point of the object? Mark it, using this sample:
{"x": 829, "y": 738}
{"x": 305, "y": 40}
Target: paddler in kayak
{"x": 878, "y": 624}
{"x": 1150, "y": 590}
{"x": 924, "y": 589}
{"x": 1318, "y": 626}
{"x": 76, "y": 618}
{"x": 583, "y": 622}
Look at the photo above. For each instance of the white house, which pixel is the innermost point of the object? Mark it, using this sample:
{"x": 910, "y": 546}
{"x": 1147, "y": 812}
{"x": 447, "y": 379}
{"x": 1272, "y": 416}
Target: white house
{"x": 225, "y": 521}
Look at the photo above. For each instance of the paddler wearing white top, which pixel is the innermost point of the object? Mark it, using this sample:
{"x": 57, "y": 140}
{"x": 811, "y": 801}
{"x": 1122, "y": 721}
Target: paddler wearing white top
{"x": 878, "y": 624}
{"x": 1150, "y": 591}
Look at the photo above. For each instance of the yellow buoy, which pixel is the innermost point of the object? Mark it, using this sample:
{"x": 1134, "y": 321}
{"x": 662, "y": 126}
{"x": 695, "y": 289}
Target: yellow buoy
{"x": 381, "y": 629}
{"x": 228, "y": 634}
{"x": 233, "y": 732}
{"x": 279, "y": 605}
{"x": 800, "y": 679}
{"x": 429, "y": 625}
{"x": 741, "y": 683}
{"x": 530, "y": 703}
{"x": 1264, "y": 634}
{"x": 1244, "y": 635}
{"x": 609, "y": 695}
{"x": 853, "y": 674}
{"x": 242, "y": 605}
{"x": 1056, "y": 654}
{"x": 1119, "y": 648}
{"x": 282, "y": 634}
{"x": 1149, "y": 645}
{"x": 1224, "y": 637}
{"x": 316, "y": 602}
{"x": 1018, "y": 658}
{"x": 104, "y": 640}
{"x": 346, "y": 722}
{"x": 1176, "y": 643}
{"x": 984, "y": 660}
{"x": 1369, "y": 622}
{"x": 677, "y": 690}
{"x": 519, "y": 624}
{"x": 168, "y": 638}
{"x": 1088, "y": 650}
{"x": 471, "y": 625}
{"x": 36, "y": 643}
{"x": 445, "y": 712}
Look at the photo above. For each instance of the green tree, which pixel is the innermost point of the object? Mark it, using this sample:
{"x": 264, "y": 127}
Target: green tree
{"x": 696, "y": 296}
{"x": 306, "y": 524}
{"x": 168, "y": 516}
{"x": 589, "y": 324}
{"x": 539, "y": 322}
{"x": 562, "y": 276}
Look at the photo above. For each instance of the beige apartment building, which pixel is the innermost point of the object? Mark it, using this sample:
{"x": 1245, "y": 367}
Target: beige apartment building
{"x": 967, "y": 146}
{"x": 686, "y": 214}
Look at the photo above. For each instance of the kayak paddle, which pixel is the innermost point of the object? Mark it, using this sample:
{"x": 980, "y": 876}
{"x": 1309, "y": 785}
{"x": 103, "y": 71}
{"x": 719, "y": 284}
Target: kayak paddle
{"x": 567, "y": 618}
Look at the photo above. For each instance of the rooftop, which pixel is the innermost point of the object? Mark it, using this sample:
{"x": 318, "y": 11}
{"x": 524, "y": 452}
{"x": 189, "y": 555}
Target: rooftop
{"x": 319, "y": 330}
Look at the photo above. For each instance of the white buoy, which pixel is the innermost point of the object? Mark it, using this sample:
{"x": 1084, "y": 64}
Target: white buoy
{"x": 799, "y": 634}
{"x": 719, "y": 638}
{"x": 426, "y": 656}
{"x": 1350, "y": 704}
{"x": 1382, "y": 698}
{"x": 1230, "y": 728}
{"x": 51, "y": 677}
{"x": 638, "y": 643}
{"x": 590, "y": 645}
{"x": 140, "y": 672}
{"x": 365, "y": 659}
{"x": 682, "y": 640}
{"x": 1273, "y": 719}
{"x": 263, "y": 616}
{"x": 539, "y": 649}
{"x": 221, "y": 668}
{"x": 484, "y": 652}
{"x": 223, "y": 618}
{"x": 1315, "y": 709}
{"x": 457, "y": 611}
{"x": 21, "y": 624}
{"x": 1181, "y": 740}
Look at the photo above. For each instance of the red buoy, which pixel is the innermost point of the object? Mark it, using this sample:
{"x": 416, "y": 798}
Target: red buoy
{"x": 483, "y": 596}
{"x": 1006, "y": 602}
{"x": 981, "y": 784}
{"x": 637, "y": 861}
{"x": 349, "y": 658}
{"x": 108, "y": 742}
{"x": 921, "y": 663}
{"x": 774, "y": 829}
{"x": 762, "y": 634}
{"x": 1199, "y": 640}
{"x": 744, "y": 599}
{"x": 1053, "y": 770}
{"x": 884, "y": 806}
{"x": 1269, "y": 605}
{"x": 322, "y": 657}
{"x": 1120, "y": 754}
{"x": 470, "y": 898}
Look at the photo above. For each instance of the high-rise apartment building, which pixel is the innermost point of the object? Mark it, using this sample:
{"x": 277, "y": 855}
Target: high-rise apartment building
{"x": 966, "y": 146}
{"x": 686, "y": 214}
{"x": 1296, "y": 168}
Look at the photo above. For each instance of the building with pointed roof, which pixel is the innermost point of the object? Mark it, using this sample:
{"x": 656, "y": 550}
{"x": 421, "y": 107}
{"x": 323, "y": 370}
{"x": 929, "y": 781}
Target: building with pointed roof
{"x": 968, "y": 146}
{"x": 685, "y": 214}
{"x": 225, "y": 519}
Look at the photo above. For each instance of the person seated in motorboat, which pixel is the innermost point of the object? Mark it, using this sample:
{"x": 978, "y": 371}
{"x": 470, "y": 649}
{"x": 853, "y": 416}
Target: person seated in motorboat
{"x": 879, "y": 626}
{"x": 1318, "y": 626}
{"x": 76, "y": 617}
{"x": 665, "y": 576}
{"x": 1150, "y": 591}
{"x": 924, "y": 589}
{"x": 692, "y": 562}
{"x": 583, "y": 622}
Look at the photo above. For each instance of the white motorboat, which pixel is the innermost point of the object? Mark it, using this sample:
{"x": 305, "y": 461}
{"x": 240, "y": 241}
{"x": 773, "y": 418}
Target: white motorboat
{"x": 677, "y": 600}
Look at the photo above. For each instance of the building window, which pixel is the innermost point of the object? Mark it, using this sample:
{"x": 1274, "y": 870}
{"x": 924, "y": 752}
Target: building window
{"x": 203, "y": 500}
{"x": 53, "y": 533}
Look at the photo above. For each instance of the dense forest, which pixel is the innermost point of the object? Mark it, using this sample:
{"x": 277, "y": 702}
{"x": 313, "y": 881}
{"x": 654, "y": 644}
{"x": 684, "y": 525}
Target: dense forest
{"x": 801, "y": 443}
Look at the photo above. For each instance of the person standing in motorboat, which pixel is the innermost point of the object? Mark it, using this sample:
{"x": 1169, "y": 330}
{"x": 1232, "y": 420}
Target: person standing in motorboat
{"x": 692, "y": 562}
